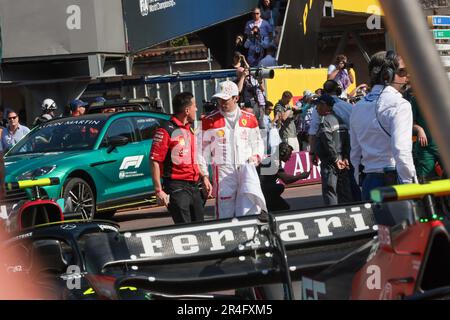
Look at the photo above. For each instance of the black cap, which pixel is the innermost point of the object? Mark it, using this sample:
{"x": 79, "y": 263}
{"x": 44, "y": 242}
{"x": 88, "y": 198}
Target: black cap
{"x": 325, "y": 98}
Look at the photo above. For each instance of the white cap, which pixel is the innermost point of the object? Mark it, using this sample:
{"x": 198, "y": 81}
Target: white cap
{"x": 226, "y": 90}
{"x": 48, "y": 104}
{"x": 307, "y": 93}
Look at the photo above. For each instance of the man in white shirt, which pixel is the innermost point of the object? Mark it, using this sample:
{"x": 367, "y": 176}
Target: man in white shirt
{"x": 381, "y": 127}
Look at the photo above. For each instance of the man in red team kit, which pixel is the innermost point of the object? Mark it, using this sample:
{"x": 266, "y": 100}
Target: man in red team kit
{"x": 173, "y": 157}
{"x": 230, "y": 139}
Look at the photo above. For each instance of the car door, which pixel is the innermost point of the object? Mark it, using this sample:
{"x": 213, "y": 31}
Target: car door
{"x": 123, "y": 168}
{"x": 146, "y": 127}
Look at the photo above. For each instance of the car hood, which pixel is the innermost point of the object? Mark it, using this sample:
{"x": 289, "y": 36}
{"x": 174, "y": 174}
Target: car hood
{"x": 18, "y": 164}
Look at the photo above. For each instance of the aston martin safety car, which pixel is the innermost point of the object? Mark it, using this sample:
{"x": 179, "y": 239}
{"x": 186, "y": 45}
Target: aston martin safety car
{"x": 101, "y": 160}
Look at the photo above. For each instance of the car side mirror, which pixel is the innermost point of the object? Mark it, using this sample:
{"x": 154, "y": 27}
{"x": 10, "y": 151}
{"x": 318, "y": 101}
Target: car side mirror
{"x": 116, "y": 141}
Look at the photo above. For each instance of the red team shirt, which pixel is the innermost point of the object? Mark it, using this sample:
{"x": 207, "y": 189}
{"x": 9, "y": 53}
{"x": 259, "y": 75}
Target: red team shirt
{"x": 174, "y": 148}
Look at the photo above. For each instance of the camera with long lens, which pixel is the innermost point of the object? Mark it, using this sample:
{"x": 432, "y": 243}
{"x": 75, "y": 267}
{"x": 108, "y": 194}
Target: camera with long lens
{"x": 209, "y": 106}
{"x": 314, "y": 100}
{"x": 356, "y": 98}
{"x": 262, "y": 73}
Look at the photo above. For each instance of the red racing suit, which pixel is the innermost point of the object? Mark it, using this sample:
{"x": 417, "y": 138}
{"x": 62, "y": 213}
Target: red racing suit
{"x": 227, "y": 149}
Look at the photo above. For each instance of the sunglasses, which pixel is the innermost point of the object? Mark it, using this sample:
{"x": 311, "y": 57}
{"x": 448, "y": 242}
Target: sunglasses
{"x": 12, "y": 118}
{"x": 402, "y": 72}
{"x": 256, "y": 13}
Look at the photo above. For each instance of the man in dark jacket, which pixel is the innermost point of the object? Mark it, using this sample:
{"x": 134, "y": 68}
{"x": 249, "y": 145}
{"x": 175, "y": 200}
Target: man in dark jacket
{"x": 333, "y": 150}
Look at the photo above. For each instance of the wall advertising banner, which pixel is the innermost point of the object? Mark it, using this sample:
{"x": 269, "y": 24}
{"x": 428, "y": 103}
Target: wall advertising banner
{"x": 299, "y": 163}
{"x": 150, "y": 22}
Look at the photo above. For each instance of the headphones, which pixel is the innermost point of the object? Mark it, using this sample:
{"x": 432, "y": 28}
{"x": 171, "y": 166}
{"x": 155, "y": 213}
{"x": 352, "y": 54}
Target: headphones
{"x": 339, "y": 91}
{"x": 389, "y": 68}
{"x": 387, "y": 74}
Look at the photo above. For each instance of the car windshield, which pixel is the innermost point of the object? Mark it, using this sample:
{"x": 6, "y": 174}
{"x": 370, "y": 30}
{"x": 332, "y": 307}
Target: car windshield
{"x": 63, "y": 135}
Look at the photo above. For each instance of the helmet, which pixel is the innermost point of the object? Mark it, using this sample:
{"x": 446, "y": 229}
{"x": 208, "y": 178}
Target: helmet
{"x": 48, "y": 105}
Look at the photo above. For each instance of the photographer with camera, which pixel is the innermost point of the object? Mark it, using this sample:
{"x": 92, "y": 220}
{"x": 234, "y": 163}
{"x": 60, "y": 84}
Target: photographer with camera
{"x": 264, "y": 26}
{"x": 251, "y": 90}
{"x": 256, "y": 43}
{"x": 340, "y": 72}
{"x": 285, "y": 115}
{"x": 239, "y": 61}
{"x": 239, "y": 45}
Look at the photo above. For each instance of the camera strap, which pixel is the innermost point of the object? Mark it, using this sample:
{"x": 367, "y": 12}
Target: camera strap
{"x": 377, "y": 107}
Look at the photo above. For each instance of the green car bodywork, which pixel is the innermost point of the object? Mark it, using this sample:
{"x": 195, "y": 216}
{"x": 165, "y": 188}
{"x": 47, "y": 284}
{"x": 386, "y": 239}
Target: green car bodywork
{"x": 91, "y": 158}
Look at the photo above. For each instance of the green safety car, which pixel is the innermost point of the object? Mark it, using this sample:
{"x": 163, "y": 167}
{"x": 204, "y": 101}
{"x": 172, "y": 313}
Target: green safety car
{"x": 101, "y": 160}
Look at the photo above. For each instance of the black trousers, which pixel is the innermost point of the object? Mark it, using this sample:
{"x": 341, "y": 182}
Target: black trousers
{"x": 274, "y": 201}
{"x": 336, "y": 187}
{"x": 185, "y": 203}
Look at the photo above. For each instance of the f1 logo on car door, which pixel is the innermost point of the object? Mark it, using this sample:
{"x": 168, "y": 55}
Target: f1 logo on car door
{"x": 134, "y": 161}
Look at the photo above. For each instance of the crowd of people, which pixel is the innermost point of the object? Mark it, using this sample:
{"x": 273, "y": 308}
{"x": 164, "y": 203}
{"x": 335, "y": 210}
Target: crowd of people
{"x": 12, "y": 130}
{"x": 258, "y": 42}
{"x": 361, "y": 140}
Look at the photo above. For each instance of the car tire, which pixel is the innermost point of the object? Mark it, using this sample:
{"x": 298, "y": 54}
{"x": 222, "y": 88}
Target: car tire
{"x": 82, "y": 197}
{"x": 108, "y": 214}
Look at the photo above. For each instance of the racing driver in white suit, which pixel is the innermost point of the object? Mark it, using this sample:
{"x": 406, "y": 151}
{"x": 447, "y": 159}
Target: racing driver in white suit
{"x": 229, "y": 138}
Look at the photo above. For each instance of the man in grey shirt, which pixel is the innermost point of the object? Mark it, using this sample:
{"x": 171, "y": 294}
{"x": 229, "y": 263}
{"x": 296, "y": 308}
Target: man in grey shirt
{"x": 333, "y": 150}
{"x": 285, "y": 116}
{"x": 343, "y": 110}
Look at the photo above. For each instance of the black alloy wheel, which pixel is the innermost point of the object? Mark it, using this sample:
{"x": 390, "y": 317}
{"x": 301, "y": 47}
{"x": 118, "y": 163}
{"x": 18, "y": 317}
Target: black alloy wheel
{"x": 81, "y": 197}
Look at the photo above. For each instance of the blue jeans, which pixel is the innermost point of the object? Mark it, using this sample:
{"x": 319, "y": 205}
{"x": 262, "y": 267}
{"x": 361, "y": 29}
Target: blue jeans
{"x": 371, "y": 181}
{"x": 375, "y": 180}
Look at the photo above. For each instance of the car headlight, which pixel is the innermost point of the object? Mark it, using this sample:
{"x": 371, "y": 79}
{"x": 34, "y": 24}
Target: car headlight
{"x": 32, "y": 174}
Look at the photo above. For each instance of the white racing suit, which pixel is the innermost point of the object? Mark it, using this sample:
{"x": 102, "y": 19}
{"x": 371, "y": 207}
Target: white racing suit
{"x": 228, "y": 149}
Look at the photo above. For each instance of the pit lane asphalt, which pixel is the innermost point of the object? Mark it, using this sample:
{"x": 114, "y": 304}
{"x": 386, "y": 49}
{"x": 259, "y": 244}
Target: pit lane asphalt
{"x": 302, "y": 197}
